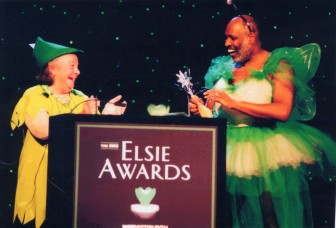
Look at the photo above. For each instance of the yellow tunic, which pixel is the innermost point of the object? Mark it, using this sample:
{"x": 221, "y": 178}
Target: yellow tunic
{"x": 31, "y": 190}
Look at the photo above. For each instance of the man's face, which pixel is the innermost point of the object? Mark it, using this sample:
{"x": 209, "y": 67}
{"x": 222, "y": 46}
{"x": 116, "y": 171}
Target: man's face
{"x": 238, "y": 42}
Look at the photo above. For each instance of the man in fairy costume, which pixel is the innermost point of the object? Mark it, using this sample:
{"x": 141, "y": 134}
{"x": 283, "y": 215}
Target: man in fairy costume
{"x": 263, "y": 95}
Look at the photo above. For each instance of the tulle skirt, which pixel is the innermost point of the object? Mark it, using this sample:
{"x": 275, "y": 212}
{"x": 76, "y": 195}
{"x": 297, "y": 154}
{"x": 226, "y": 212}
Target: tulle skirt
{"x": 275, "y": 162}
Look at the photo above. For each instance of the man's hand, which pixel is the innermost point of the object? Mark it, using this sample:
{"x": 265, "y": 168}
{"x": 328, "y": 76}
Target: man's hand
{"x": 221, "y": 97}
{"x": 194, "y": 103}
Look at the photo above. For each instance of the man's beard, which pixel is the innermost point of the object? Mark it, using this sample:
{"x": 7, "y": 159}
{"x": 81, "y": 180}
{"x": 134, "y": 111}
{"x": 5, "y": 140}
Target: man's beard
{"x": 244, "y": 54}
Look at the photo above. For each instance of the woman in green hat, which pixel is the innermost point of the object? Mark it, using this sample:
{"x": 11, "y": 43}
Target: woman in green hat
{"x": 54, "y": 95}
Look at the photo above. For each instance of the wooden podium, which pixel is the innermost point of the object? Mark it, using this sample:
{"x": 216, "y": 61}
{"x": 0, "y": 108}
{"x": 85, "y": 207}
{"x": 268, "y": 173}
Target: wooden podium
{"x": 119, "y": 171}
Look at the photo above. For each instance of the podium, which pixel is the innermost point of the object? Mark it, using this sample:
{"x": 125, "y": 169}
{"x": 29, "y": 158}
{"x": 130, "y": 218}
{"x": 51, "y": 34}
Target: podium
{"x": 119, "y": 171}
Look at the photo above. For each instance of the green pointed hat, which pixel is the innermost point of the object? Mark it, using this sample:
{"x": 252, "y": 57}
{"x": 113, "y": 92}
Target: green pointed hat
{"x": 46, "y": 51}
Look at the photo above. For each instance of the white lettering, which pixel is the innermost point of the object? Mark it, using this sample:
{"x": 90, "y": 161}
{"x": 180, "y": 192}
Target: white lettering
{"x": 167, "y": 172}
{"x": 156, "y": 172}
{"x": 186, "y": 172}
{"x": 127, "y": 170}
{"x": 124, "y": 151}
{"x": 165, "y": 154}
{"x": 149, "y": 153}
{"x": 142, "y": 171}
{"x": 136, "y": 154}
{"x": 107, "y": 168}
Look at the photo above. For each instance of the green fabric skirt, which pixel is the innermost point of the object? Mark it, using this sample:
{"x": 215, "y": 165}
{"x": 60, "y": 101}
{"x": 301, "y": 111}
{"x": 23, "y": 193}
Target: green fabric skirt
{"x": 274, "y": 162}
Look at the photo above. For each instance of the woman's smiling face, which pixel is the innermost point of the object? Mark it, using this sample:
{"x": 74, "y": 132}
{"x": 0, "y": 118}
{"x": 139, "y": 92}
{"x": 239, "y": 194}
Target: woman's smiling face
{"x": 64, "y": 71}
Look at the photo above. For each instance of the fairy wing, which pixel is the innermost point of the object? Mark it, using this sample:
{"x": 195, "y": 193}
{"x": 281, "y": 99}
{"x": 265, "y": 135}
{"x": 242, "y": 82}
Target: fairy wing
{"x": 311, "y": 54}
{"x": 305, "y": 99}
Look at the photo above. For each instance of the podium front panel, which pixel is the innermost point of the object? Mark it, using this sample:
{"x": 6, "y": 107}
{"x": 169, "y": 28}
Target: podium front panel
{"x": 157, "y": 172}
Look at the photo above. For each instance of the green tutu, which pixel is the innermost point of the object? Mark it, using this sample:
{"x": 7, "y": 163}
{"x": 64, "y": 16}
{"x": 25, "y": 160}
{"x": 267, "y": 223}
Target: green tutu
{"x": 285, "y": 154}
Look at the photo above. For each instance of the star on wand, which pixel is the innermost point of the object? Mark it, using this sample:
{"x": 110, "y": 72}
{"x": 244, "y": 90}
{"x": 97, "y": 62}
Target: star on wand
{"x": 185, "y": 80}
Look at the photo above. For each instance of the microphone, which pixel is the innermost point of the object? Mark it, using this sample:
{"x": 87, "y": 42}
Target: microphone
{"x": 102, "y": 104}
{"x": 231, "y": 3}
{"x": 119, "y": 104}
{"x": 46, "y": 94}
{"x": 88, "y": 100}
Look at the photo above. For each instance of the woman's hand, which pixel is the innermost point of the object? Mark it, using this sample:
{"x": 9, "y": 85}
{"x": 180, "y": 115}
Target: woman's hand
{"x": 91, "y": 106}
{"x": 39, "y": 126}
{"x": 115, "y": 108}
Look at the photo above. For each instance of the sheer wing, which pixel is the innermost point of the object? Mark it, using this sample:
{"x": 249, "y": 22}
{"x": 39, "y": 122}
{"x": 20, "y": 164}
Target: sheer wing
{"x": 306, "y": 103}
{"x": 311, "y": 54}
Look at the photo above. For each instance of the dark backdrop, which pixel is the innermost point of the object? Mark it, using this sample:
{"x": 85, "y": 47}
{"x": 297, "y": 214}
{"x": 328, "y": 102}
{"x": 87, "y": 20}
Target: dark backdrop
{"x": 135, "y": 47}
